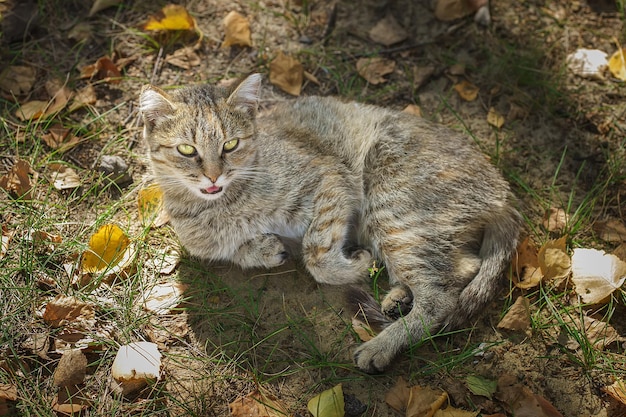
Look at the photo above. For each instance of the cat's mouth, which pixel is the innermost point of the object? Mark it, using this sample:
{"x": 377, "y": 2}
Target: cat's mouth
{"x": 214, "y": 189}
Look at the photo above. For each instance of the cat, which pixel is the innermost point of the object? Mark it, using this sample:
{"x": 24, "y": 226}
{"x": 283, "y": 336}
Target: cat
{"x": 338, "y": 184}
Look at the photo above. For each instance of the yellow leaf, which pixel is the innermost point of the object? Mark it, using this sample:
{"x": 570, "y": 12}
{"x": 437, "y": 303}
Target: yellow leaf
{"x": 171, "y": 17}
{"x": 150, "y": 205}
{"x": 617, "y": 64}
{"x": 108, "y": 247}
{"x": 328, "y": 403}
{"x": 494, "y": 118}
{"x": 466, "y": 90}
{"x": 237, "y": 30}
{"x": 287, "y": 74}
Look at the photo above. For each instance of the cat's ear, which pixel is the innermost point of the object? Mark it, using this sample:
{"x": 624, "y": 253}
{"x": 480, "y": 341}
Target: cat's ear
{"x": 246, "y": 95}
{"x": 155, "y": 105}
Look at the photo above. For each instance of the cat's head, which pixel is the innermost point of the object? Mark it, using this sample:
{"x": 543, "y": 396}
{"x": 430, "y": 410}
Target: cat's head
{"x": 201, "y": 137}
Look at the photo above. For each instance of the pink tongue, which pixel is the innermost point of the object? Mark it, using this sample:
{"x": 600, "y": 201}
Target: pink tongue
{"x": 212, "y": 189}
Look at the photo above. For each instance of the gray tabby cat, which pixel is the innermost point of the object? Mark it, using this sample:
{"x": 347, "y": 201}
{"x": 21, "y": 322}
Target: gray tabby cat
{"x": 348, "y": 183}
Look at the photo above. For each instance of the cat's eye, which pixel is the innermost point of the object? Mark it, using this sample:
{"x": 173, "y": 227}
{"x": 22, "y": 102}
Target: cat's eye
{"x": 231, "y": 145}
{"x": 186, "y": 150}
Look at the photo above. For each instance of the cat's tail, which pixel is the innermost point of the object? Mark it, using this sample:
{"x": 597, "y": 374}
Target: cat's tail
{"x": 365, "y": 308}
{"x": 498, "y": 246}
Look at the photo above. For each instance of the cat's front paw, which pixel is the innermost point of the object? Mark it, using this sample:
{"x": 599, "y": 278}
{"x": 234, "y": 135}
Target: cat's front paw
{"x": 374, "y": 356}
{"x": 397, "y": 303}
{"x": 266, "y": 251}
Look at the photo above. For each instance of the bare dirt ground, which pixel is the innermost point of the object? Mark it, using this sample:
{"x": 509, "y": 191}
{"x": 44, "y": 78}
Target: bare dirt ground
{"x": 286, "y": 332}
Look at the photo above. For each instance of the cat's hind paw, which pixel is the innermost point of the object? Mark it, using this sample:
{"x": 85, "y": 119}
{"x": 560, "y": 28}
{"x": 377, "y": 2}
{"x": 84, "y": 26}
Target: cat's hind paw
{"x": 398, "y": 302}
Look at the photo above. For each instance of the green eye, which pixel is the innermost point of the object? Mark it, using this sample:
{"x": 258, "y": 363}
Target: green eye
{"x": 186, "y": 150}
{"x": 231, "y": 145}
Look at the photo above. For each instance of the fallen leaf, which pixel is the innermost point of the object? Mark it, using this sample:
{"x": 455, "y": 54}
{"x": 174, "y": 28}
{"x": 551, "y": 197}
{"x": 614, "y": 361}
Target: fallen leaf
{"x": 135, "y": 365}
{"x": 481, "y": 386}
{"x": 67, "y": 309}
{"x": 450, "y": 411}
{"x": 597, "y": 332}
{"x": 60, "y": 139}
{"x": 86, "y": 96}
{"x": 596, "y": 274}
{"x": 466, "y": 90}
{"x": 617, "y": 64}
{"x": 413, "y": 109}
{"x": 611, "y": 230}
{"x": 616, "y": 390}
{"x": 109, "y": 250}
{"x": 6, "y": 237}
{"x": 522, "y": 402}
{"x": 518, "y": 316}
{"x": 17, "y": 181}
{"x": 447, "y": 10}
{"x": 414, "y": 401}
{"x": 526, "y": 266}
{"x": 554, "y": 261}
{"x": 620, "y": 252}
{"x": 286, "y": 73}
{"x": 150, "y": 206}
{"x": 17, "y": 79}
{"x": 555, "y": 220}
{"x": 8, "y": 392}
{"x": 388, "y": 31}
{"x": 494, "y": 118}
{"x": 31, "y": 110}
{"x": 362, "y": 330}
{"x": 164, "y": 263}
{"x": 171, "y": 17}
{"x": 588, "y": 63}
{"x": 43, "y": 237}
{"x": 63, "y": 177}
{"x": 99, "y": 5}
{"x": 374, "y": 69}
{"x": 328, "y": 403}
{"x": 103, "y": 69}
{"x": 421, "y": 75}
{"x": 81, "y": 32}
{"x": 257, "y": 404}
{"x": 163, "y": 298}
{"x": 70, "y": 401}
{"x": 311, "y": 78}
{"x": 71, "y": 369}
{"x": 60, "y": 95}
{"x": 237, "y": 30}
{"x": 185, "y": 58}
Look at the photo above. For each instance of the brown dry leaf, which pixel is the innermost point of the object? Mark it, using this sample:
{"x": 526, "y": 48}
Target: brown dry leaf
{"x": 287, "y": 74}
{"x": 527, "y": 272}
{"x": 617, "y": 64}
{"x": 103, "y": 69}
{"x": 596, "y": 274}
{"x": 555, "y": 219}
{"x": 494, "y": 118}
{"x": 421, "y": 75}
{"x": 171, "y": 17}
{"x": 17, "y": 79}
{"x": 597, "y": 332}
{"x": 311, "y": 78}
{"x": 150, "y": 205}
{"x": 388, "y": 31}
{"x": 109, "y": 250}
{"x": 86, "y": 96}
{"x": 36, "y": 109}
{"x": 33, "y": 109}
{"x": 374, "y": 69}
{"x": 257, "y": 404}
{"x": 413, "y": 109}
{"x": 237, "y": 30}
{"x": 617, "y": 390}
{"x": 163, "y": 298}
{"x": 17, "y": 181}
{"x": 63, "y": 177}
{"x": 620, "y": 252}
{"x": 554, "y": 261}
{"x": 71, "y": 369}
{"x": 518, "y": 316}
{"x": 447, "y": 10}
{"x": 70, "y": 401}
{"x": 8, "y": 392}
{"x": 60, "y": 139}
{"x": 417, "y": 401}
{"x": 522, "y": 402}
{"x": 611, "y": 230}
{"x": 362, "y": 330}
{"x": 466, "y": 90}
{"x": 101, "y": 5}
{"x": 5, "y": 240}
{"x": 43, "y": 237}
{"x": 63, "y": 310}
{"x": 450, "y": 411}
{"x": 185, "y": 58}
